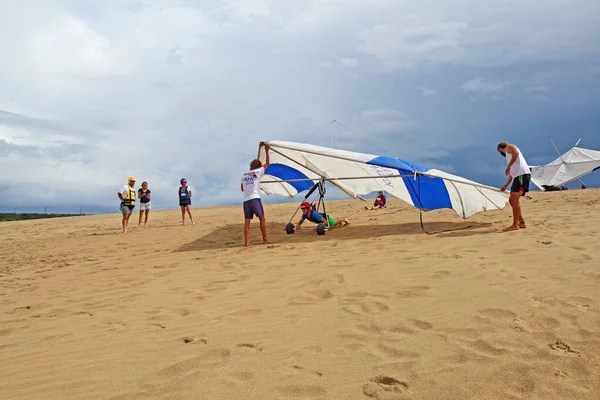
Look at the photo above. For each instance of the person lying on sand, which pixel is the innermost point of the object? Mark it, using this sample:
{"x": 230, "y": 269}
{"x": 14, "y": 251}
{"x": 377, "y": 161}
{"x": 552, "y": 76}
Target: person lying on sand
{"x": 312, "y": 215}
{"x": 519, "y": 173}
{"x": 380, "y": 201}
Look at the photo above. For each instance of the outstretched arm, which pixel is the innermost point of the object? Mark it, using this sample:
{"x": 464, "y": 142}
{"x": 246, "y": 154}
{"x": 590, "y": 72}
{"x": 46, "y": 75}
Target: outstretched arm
{"x": 267, "y": 162}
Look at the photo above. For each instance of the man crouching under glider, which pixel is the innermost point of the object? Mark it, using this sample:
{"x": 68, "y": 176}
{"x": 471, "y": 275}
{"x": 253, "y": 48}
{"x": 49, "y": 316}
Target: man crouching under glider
{"x": 314, "y": 216}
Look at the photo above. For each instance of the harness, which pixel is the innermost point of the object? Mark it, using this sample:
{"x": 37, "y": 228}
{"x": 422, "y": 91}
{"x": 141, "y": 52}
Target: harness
{"x": 129, "y": 198}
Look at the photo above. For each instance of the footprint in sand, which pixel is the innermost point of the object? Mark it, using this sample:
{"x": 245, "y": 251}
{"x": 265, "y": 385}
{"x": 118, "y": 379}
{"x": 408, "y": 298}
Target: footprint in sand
{"x": 384, "y": 388}
{"x": 396, "y": 352}
{"x": 300, "y": 391}
{"x": 313, "y": 297}
{"x": 246, "y": 313}
{"x": 250, "y": 346}
{"x": 422, "y": 325}
{"x": 584, "y": 303}
{"x": 206, "y": 360}
{"x": 498, "y": 314}
{"x": 190, "y": 339}
{"x": 440, "y": 274}
{"x": 482, "y": 347}
{"x": 310, "y": 371}
{"x": 413, "y": 291}
{"x": 560, "y": 345}
{"x": 241, "y": 376}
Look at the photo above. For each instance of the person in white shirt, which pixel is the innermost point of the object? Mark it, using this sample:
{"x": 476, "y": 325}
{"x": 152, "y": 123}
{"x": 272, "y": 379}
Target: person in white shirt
{"x": 127, "y": 196}
{"x": 252, "y": 204}
{"x": 519, "y": 174}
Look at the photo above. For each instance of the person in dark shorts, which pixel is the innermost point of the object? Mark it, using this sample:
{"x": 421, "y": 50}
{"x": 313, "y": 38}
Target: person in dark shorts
{"x": 519, "y": 174}
{"x": 185, "y": 200}
{"x": 252, "y": 203}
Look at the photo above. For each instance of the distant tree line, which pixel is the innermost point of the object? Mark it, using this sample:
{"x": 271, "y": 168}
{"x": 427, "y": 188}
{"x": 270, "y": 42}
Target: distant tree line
{"x": 6, "y": 217}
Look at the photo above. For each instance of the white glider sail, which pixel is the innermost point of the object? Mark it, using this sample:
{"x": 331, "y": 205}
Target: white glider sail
{"x": 568, "y": 167}
{"x": 296, "y": 167}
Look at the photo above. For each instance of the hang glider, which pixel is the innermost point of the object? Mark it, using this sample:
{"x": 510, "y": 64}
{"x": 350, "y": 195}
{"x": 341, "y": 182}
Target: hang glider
{"x": 297, "y": 167}
{"x": 568, "y": 167}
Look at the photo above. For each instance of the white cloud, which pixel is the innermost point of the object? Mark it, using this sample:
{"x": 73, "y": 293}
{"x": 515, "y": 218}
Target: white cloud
{"x": 428, "y": 92}
{"x": 482, "y": 87}
{"x": 97, "y": 91}
{"x": 537, "y": 89}
{"x": 349, "y": 62}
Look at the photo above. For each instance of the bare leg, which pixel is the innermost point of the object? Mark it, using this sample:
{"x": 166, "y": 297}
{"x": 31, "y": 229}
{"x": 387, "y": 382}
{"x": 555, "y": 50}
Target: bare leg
{"x": 263, "y": 229}
{"x": 182, "y": 215}
{"x": 140, "y": 218}
{"x": 125, "y": 222}
{"x": 146, "y": 219}
{"x": 247, "y": 232}
{"x": 521, "y": 219}
{"x": 189, "y": 211}
{"x": 514, "y": 203}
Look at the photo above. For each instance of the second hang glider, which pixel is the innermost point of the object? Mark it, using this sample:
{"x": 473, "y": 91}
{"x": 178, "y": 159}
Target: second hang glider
{"x": 568, "y": 167}
{"x": 296, "y": 167}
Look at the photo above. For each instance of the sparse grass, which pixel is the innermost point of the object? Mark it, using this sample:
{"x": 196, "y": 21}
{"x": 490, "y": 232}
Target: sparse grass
{"x": 6, "y": 217}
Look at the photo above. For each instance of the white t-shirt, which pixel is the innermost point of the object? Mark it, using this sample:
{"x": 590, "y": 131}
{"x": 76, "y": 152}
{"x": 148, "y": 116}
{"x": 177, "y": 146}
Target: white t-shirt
{"x": 520, "y": 166}
{"x": 251, "y": 183}
{"x": 125, "y": 189}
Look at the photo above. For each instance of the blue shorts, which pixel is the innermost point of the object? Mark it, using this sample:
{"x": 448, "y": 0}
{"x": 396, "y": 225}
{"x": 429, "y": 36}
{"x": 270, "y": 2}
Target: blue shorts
{"x": 253, "y": 207}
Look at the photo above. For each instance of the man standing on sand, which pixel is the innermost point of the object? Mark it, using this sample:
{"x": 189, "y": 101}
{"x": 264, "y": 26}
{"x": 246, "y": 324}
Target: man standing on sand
{"x": 250, "y": 187}
{"x": 127, "y": 196}
{"x": 519, "y": 173}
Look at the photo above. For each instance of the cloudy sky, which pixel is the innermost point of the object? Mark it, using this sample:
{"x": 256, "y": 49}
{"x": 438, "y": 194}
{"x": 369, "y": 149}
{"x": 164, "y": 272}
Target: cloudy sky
{"x": 94, "y": 91}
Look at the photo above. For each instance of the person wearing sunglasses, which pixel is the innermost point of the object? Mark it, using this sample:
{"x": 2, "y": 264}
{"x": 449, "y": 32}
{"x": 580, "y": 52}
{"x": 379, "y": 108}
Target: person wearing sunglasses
{"x": 185, "y": 200}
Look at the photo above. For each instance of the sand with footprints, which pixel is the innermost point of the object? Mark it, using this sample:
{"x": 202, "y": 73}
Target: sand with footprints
{"x": 375, "y": 310}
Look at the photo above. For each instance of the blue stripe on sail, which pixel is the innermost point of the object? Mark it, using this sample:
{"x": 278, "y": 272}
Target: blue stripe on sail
{"x": 432, "y": 193}
{"x": 390, "y": 162}
{"x": 595, "y": 169}
{"x": 285, "y": 172}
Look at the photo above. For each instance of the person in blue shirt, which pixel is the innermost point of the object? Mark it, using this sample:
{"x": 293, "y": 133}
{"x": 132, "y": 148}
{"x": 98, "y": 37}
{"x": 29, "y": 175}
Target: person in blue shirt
{"x": 185, "y": 200}
{"x": 308, "y": 213}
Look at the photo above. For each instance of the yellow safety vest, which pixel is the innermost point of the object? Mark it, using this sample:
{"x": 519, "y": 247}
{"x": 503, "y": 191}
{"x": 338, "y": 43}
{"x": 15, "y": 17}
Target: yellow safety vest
{"x": 129, "y": 199}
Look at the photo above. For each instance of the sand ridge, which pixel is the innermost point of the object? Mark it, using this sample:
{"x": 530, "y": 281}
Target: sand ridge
{"x": 375, "y": 310}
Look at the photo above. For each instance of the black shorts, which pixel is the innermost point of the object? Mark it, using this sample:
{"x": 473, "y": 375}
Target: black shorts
{"x": 253, "y": 207}
{"x": 521, "y": 184}
{"x": 184, "y": 203}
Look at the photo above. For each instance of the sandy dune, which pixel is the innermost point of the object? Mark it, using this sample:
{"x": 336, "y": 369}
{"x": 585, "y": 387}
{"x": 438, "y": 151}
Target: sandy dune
{"x": 375, "y": 310}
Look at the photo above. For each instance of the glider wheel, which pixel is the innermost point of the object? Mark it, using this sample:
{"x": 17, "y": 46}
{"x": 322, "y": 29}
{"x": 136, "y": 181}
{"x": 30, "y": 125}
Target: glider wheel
{"x": 321, "y": 229}
{"x": 289, "y": 228}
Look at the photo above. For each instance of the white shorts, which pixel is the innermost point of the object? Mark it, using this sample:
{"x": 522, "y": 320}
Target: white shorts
{"x": 144, "y": 206}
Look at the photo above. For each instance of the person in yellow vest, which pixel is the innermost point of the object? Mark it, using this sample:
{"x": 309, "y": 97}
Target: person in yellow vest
{"x": 127, "y": 196}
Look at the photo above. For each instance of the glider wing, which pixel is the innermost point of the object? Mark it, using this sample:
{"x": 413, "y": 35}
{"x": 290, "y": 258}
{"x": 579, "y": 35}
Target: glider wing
{"x": 570, "y": 166}
{"x": 296, "y": 167}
